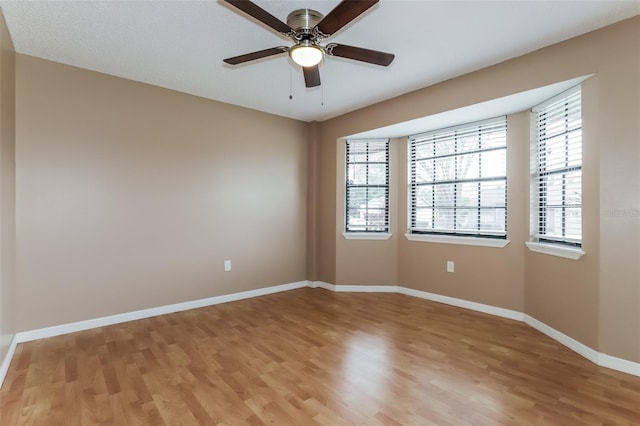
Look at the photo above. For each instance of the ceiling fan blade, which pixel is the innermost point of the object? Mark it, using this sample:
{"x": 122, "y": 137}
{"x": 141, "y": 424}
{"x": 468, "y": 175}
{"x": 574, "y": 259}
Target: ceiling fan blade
{"x": 360, "y": 54}
{"x": 260, "y": 14}
{"x": 342, "y": 14}
{"x": 311, "y": 76}
{"x": 255, "y": 55}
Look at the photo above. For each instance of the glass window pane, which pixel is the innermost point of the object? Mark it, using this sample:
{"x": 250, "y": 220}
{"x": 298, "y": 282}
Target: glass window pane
{"x": 424, "y": 171}
{"x": 443, "y": 219}
{"x": 493, "y": 219}
{"x": 492, "y": 193}
{"x": 573, "y": 188}
{"x": 377, "y": 174}
{"x": 494, "y": 163}
{"x": 467, "y": 219}
{"x": 463, "y": 164}
{"x": 467, "y": 195}
{"x": 378, "y": 155}
{"x": 424, "y": 196}
{"x": 366, "y": 191}
{"x": 358, "y": 174}
{"x": 424, "y": 150}
{"x": 468, "y": 143}
{"x": 495, "y": 138}
{"x": 423, "y": 218}
{"x": 444, "y": 195}
{"x": 559, "y": 184}
{"x": 573, "y": 223}
{"x": 469, "y": 166}
{"x": 445, "y": 147}
{"x": 445, "y": 169}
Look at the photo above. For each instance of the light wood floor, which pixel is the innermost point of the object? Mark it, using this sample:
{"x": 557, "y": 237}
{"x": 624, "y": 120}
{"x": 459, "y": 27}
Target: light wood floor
{"x": 310, "y": 356}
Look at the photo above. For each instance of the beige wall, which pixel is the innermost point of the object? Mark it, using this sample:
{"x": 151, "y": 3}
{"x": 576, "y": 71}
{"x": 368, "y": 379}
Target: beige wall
{"x": 619, "y": 137}
{"x": 130, "y": 196}
{"x": 7, "y": 189}
{"x": 312, "y": 213}
{"x": 595, "y": 299}
{"x": 325, "y": 235}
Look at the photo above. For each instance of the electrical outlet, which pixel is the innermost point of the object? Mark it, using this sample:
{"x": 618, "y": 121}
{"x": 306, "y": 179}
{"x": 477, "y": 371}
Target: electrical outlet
{"x": 227, "y": 265}
{"x": 449, "y": 265}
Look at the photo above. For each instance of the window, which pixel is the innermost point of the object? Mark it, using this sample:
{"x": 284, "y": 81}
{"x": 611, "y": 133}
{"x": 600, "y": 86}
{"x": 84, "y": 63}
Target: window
{"x": 557, "y": 170}
{"x": 367, "y": 186}
{"x": 458, "y": 180}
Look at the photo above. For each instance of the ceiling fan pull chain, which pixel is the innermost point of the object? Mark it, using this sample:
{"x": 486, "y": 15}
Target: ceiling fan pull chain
{"x": 322, "y": 93}
{"x": 290, "y": 84}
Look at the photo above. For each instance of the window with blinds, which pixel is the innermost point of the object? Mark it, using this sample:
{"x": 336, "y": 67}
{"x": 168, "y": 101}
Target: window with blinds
{"x": 557, "y": 172}
{"x": 367, "y": 186}
{"x": 458, "y": 180}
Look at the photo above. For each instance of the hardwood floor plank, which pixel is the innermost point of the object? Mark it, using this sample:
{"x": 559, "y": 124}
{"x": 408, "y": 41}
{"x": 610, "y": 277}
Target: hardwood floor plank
{"x": 310, "y": 356}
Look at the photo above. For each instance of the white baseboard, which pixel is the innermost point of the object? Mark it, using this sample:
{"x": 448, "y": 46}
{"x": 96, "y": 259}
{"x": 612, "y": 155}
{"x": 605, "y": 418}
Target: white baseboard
{"x": 41, "y": 333}
{"x": 322, "y": 284}
{"x": 594, "y": 356}
{"x": 619, "y": 364}
{"x": 493, "y": 310}
{"x": 461, "y": 303}
{"x": 4, "y": 367}
{"x": 598, "y": 358}
{"x": 584, "y": 350}
{"x": 355, "y": 288}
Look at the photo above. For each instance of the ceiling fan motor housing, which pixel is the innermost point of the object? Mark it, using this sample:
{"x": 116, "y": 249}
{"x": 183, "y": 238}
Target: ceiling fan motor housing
{"x": 304, "y": 19}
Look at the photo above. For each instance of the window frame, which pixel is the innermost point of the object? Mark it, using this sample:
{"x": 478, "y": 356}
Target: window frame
{"x": 542, "y": 242}
{"x": 483, "y": 237}
{"x": 350, "y": 230}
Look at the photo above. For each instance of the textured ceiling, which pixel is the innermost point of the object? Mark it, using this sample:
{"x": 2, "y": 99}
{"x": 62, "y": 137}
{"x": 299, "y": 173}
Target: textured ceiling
{"x": 180, "y": 45}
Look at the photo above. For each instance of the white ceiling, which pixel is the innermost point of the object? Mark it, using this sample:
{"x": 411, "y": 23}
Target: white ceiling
{"x": 180, "y": 44}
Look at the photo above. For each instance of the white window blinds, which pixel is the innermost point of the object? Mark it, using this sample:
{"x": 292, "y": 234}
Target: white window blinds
{"x": 557, "y": 173}
{"x": 367, "y": 186}
{"x": 458, "y": 180}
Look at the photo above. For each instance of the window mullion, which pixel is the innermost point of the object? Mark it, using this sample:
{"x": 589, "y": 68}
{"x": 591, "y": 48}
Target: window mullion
{"x": 455, "y": 184}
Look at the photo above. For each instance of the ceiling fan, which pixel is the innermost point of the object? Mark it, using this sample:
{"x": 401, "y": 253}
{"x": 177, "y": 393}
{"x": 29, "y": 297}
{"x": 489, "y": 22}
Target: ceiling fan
{"x": 307, "y": 28}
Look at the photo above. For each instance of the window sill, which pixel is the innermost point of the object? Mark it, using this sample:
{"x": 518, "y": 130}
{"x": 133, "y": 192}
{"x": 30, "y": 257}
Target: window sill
{"x": 366, "y": 235}
{"x": 451, "y": 239}
{"x": 556, "y": 250}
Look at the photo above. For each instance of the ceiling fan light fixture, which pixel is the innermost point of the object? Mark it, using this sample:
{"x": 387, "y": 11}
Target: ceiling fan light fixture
{"x": 306, "y": 54}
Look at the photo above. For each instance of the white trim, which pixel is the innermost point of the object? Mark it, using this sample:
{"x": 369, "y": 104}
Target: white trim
{"x": 453, "y": 239}
{"x": 559, "y": 96}
{"x": 41, "y": 333}
{"x": 355, "y": 288}
{"x": 572, "y": 253}
{"x": 322, "y": 284}
{"x": 461, "y": 303}
{"x": 584, "y": 350}
{"x": 6, "y": 362}
{"x": 598, "y": 358}
{"x": 604, "y": 360}
{"x": 366, "y": 235}
{"x": 619, "y": 364}
{"x": 366, "y": 288}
